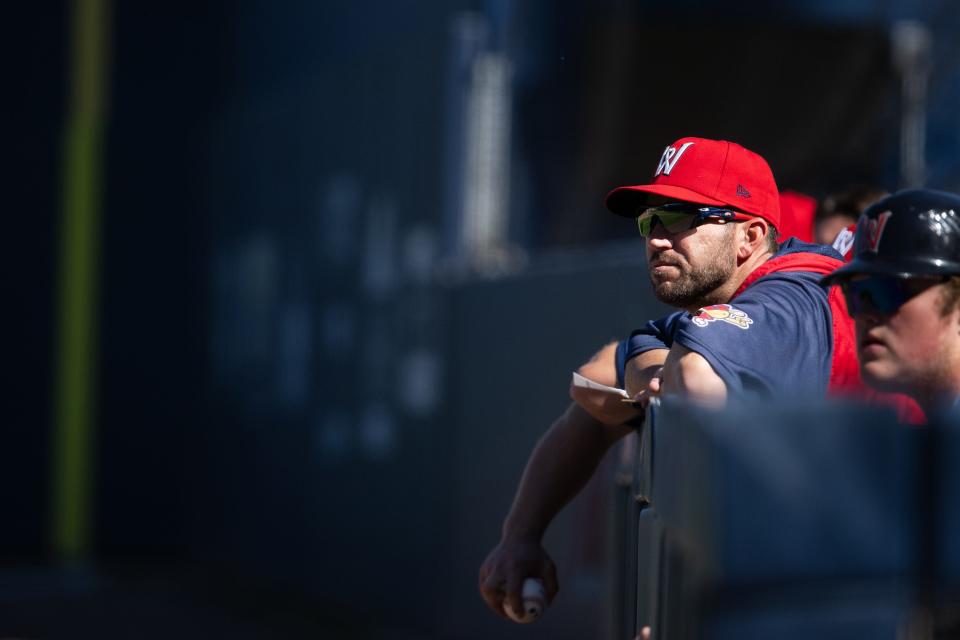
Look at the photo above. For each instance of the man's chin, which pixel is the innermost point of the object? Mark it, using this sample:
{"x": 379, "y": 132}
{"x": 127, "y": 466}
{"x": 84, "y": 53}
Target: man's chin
{"x": 667, "y": 293}
{"x": 880, "y": 377}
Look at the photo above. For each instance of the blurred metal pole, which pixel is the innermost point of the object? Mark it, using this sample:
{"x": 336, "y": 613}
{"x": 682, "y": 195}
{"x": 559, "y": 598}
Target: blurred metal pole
{"x": 486, "y": 202}
{"x": 479, "y": 151}
{"x": 469, "y": 38}
{"x": 911, "y": 43}
{"x": 78, "y": 296}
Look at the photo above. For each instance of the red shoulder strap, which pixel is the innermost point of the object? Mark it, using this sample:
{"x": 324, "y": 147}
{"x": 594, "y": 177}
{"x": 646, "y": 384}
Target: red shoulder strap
{"x": 844, "y": 370}
{"x": 812, "y": 262}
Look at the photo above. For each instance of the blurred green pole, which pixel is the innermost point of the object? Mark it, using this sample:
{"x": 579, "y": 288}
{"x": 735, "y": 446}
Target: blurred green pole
{"x": 78, "y": 300}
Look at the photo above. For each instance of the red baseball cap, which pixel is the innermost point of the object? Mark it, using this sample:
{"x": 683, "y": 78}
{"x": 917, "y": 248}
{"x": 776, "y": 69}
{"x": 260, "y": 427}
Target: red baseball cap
{"x": 716, "y": 173}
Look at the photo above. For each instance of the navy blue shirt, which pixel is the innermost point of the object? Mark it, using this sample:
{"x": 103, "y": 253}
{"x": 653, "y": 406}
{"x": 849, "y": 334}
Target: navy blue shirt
{"x": 775, "y": 338}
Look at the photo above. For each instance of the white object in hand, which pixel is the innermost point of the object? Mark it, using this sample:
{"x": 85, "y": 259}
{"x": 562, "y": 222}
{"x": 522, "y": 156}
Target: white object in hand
{"x": 587, "y": 383}
{"x": 534, "y": 602}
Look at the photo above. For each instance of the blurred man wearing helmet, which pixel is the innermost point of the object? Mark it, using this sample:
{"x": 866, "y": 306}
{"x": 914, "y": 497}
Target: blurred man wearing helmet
{"x": 903, "y": 290}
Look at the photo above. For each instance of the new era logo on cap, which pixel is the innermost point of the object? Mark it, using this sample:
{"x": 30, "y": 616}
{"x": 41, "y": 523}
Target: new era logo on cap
{"x": 710, "y": 172}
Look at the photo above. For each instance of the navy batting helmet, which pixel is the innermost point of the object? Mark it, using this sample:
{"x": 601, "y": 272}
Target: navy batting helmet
{"x": 915, "y": 232}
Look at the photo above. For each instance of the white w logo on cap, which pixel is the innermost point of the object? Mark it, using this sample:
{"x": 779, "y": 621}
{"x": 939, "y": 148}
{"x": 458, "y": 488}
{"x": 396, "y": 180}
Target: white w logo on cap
{"x": 669, "y": 159}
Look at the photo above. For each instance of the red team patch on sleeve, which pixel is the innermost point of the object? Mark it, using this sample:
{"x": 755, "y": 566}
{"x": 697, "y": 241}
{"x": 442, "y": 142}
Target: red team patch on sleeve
{"x": 723, "y": 312}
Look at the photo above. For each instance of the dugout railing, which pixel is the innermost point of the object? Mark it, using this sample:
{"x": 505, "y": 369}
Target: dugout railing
{"x": 788, "y": 522}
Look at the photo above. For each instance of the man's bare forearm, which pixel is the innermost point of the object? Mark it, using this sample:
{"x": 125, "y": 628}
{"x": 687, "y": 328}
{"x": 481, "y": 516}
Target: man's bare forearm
{"x": 561, "y": 464}
{"x": 568, "y": 454}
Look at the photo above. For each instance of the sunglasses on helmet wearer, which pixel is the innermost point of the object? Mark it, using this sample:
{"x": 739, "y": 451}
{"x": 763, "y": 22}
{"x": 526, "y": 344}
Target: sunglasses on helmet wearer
{"x": 682, "y": 216}
{"x": 883, "y": 294}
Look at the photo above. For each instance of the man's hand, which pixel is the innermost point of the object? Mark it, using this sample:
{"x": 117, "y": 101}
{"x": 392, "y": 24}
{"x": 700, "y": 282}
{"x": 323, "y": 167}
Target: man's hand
{"x": 508, "y": 565}
{"x": 561, "y": 463}
{"x": 643, "y": 375}
{"x": 608, "y": 408}
{"x": 642, "y": 399}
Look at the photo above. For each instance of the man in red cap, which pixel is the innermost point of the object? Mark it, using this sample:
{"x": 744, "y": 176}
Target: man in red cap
{"x": 754, "y": 322}
{"x": 710, "y": 218}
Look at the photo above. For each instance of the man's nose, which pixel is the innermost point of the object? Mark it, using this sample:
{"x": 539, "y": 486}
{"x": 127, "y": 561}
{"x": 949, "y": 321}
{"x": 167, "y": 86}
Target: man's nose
{"x": 866, "y": 314}
{"x": 659, "y": 239}
{"x": 864, "y": 322}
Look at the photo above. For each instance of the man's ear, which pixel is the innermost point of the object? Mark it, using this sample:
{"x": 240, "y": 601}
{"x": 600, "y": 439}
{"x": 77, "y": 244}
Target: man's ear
{"x": 754, "y": 237}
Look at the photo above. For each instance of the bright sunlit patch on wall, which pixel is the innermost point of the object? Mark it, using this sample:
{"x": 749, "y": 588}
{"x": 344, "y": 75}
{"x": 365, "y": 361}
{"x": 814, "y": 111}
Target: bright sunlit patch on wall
{"x": 487, "y": 171}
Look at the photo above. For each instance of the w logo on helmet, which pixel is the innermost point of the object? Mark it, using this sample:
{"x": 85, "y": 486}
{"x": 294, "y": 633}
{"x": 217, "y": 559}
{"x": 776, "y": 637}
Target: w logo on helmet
{"x": 874, "y": 229}
{"x": 669, "y": 159}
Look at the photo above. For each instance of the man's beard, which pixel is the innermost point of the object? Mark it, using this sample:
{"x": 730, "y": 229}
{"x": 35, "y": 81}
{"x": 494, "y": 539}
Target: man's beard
{"x": 697, "y": 288}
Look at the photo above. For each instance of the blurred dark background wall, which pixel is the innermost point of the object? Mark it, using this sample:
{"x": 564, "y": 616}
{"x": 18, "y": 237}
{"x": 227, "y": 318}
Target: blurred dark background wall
{"x": 349, "y": 253}
{"x": 35, "y": 111}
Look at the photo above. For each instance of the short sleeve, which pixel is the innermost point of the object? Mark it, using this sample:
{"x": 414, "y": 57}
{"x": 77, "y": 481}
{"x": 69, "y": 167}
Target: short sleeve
{"x": 656, "y": 334}
{"x": 774, "y": 339}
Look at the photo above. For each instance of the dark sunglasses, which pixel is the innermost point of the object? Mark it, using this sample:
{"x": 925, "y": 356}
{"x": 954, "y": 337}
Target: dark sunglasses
{"x": 682, "y": 216}
{"x": 883, "y": 294}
